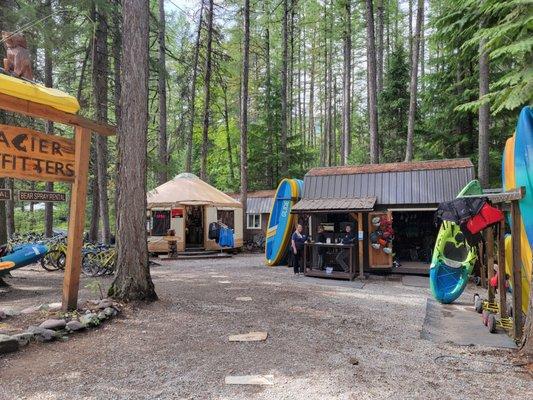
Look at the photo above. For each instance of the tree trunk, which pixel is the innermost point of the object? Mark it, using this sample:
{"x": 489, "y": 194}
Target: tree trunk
{"x": 410, "y": 38}
{"x": 132, "y": 280}
{"x": 346, "y": 83}
{"x": 244, "y": 107}
{"x": 483, "y": 139}
{"x": 311, "y": 107}
{"x": 380, "y": 44}
{"x": 94, "y": 226}
{"x": 117, "y": 58}
{"x": 284, "y": 79}
{"x": 207, "y": 92}
{"x": 100, "y": 95}
{"x": 162, "y": 155}
{"x": 414, "y": 83}
{"x": 49, "y": 129}
{"x": 192, "y": 100}
{"x": 10, "y": 209}
{"x": 331, "y": 96}
{"x": 268, "y": 92}
{"x": 372, "y": 84}
{"x": 228, "y": 136}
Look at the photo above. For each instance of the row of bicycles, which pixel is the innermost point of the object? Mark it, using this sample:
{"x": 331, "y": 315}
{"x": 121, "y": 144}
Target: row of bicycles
{"x": 97, "y": 259}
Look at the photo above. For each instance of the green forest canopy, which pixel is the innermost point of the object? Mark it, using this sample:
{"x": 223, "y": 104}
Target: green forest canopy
{"x": 80, "y": 41}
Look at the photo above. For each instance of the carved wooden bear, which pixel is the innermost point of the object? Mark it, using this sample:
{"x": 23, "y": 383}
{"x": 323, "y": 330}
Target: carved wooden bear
{"x": 18, "y": 61}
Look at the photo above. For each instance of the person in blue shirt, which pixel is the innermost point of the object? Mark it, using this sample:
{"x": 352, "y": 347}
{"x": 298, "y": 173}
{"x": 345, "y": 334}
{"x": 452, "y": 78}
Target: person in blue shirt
{"x": 297, "y": 246}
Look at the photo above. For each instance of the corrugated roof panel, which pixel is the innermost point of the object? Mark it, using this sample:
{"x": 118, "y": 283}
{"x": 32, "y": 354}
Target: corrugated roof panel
{"x": 259, "y": 205}
{"x": 403, "y": 186}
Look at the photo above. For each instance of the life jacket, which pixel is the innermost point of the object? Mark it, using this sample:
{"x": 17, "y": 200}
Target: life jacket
{"x": 459, "y": 210}
{"x": 487, "y": 216}
{"x": 214, "y": 231}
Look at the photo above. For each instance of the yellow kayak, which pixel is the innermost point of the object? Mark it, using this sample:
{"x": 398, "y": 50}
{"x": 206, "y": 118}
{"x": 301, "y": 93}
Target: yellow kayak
{"x": 39, "y": 94}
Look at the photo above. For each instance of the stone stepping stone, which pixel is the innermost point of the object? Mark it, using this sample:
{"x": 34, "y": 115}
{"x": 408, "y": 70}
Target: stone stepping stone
{"x": 243, "y": 299}
{"x": 263, "y": 380}
{"x": 249, "y": 337}
{"x": 224, "y": 281}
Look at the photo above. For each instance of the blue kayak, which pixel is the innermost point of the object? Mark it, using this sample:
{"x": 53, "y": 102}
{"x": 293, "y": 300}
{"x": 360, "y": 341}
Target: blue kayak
{"x": 453, "y": 258}
{"x": 24, "y": 254}
{"x": 281, "y": 221}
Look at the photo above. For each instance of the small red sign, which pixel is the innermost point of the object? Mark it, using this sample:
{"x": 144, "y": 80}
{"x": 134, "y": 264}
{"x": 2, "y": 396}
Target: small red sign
{"x": 177, "y": 213}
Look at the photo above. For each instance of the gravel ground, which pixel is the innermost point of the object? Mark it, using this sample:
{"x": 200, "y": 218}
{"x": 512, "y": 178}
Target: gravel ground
{"x": 177, "y": 348}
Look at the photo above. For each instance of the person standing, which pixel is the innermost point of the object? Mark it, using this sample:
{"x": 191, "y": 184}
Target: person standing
{"x": 297, "y": 246}
{"x": 321, "y": 251}
{"x": 348, "y": 239}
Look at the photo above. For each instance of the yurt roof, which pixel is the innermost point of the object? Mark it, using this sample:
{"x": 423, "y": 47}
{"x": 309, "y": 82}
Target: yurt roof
{"x": 187, "y": 189}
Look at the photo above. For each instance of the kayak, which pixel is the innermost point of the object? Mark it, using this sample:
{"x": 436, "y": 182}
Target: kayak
{"x": 453, "y": 258}
{"x": 281, "y": 221}
{"x": 38, "y": 94}
{"x": 22, "y": 255}
{"x": 517, "y": 171}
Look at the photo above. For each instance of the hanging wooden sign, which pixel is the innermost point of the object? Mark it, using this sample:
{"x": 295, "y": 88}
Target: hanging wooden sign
{"x": 5, "y": 194}
{"x": 31, "y": 155}
{"x": 32, "y": 195}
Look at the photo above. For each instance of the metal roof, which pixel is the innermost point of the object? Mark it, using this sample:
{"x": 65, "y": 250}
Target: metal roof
{"x": 426, "y": 182}
{"x": 259, "y": 205}
{"x": 258, "y": 202}
{"x": 324, "y": 205}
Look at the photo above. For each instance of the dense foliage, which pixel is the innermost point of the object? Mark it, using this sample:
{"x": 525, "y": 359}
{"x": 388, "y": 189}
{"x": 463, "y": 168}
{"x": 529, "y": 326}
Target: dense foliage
{"x": 447, "y": 97}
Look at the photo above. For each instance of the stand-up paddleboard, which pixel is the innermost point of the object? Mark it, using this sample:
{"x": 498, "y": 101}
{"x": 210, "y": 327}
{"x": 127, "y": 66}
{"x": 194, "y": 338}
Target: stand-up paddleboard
{"x": 517, "y": 171}
{"x": 281, "y": 221}
{"x": 21, "y": 256}
{"x": 453, "y": 258}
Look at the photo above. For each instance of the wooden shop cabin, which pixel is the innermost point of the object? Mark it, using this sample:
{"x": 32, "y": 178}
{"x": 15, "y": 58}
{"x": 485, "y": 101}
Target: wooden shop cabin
{"x": 188, "y": 205}
{"x": 258, "y": 207}
{"x": 404, "y": 195}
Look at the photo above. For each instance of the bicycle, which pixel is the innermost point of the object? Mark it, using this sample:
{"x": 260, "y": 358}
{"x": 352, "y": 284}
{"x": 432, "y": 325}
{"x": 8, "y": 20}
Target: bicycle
{"x": 100, "y": 261}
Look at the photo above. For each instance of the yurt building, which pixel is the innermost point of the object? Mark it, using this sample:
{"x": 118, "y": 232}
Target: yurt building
{"x": 188, "y": 205}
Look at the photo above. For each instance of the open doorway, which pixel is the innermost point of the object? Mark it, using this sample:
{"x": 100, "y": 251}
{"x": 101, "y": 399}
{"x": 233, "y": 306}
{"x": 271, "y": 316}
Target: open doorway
{"x": 194, "y": 227}
{"x": 414, "y": 238}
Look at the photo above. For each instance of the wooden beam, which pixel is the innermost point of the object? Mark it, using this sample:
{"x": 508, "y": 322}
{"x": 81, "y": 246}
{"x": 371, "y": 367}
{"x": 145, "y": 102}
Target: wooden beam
{"x": 501, "y": 270}
{"x": 517, "y": 273}
{"x": 71, "y": 280}
{"x": 360, "y": 246}
{"x": 37, "y": 110}
{"x": 503, "y": 197}
{"x": 489, "y": 240}
{"x": 482, "y": 266}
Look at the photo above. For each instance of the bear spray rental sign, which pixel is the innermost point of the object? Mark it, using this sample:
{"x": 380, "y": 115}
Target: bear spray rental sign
{"x": 31, "y": 155}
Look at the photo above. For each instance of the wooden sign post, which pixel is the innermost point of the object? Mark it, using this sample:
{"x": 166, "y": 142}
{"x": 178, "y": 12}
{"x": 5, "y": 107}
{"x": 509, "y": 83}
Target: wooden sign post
{"x": 71, "y": 281}
{"x": 31, "y": 155}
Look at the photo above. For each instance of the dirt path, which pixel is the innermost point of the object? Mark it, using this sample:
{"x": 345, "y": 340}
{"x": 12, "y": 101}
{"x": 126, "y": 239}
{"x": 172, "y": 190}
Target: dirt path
{"x": 177, "y": 348}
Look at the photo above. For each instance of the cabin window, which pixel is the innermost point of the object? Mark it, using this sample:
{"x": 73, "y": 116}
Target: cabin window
{"x": 253, "y": 221}
{"x": 160, "y": 222}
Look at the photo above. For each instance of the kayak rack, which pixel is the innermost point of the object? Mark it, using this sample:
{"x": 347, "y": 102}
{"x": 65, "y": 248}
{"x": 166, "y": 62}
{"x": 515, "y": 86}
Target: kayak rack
{"x": 505, "y": 201}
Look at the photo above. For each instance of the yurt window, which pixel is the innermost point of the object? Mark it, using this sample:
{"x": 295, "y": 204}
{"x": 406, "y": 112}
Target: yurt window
{"x": 160, "y": 222}
{"x": 227, "y": 217}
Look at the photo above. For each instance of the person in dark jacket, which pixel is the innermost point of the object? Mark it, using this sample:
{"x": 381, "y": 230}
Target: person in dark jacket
{"x": 348, "y": 239}
{"x": 321, "y": 251}
{"x": 297, "y": 246}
